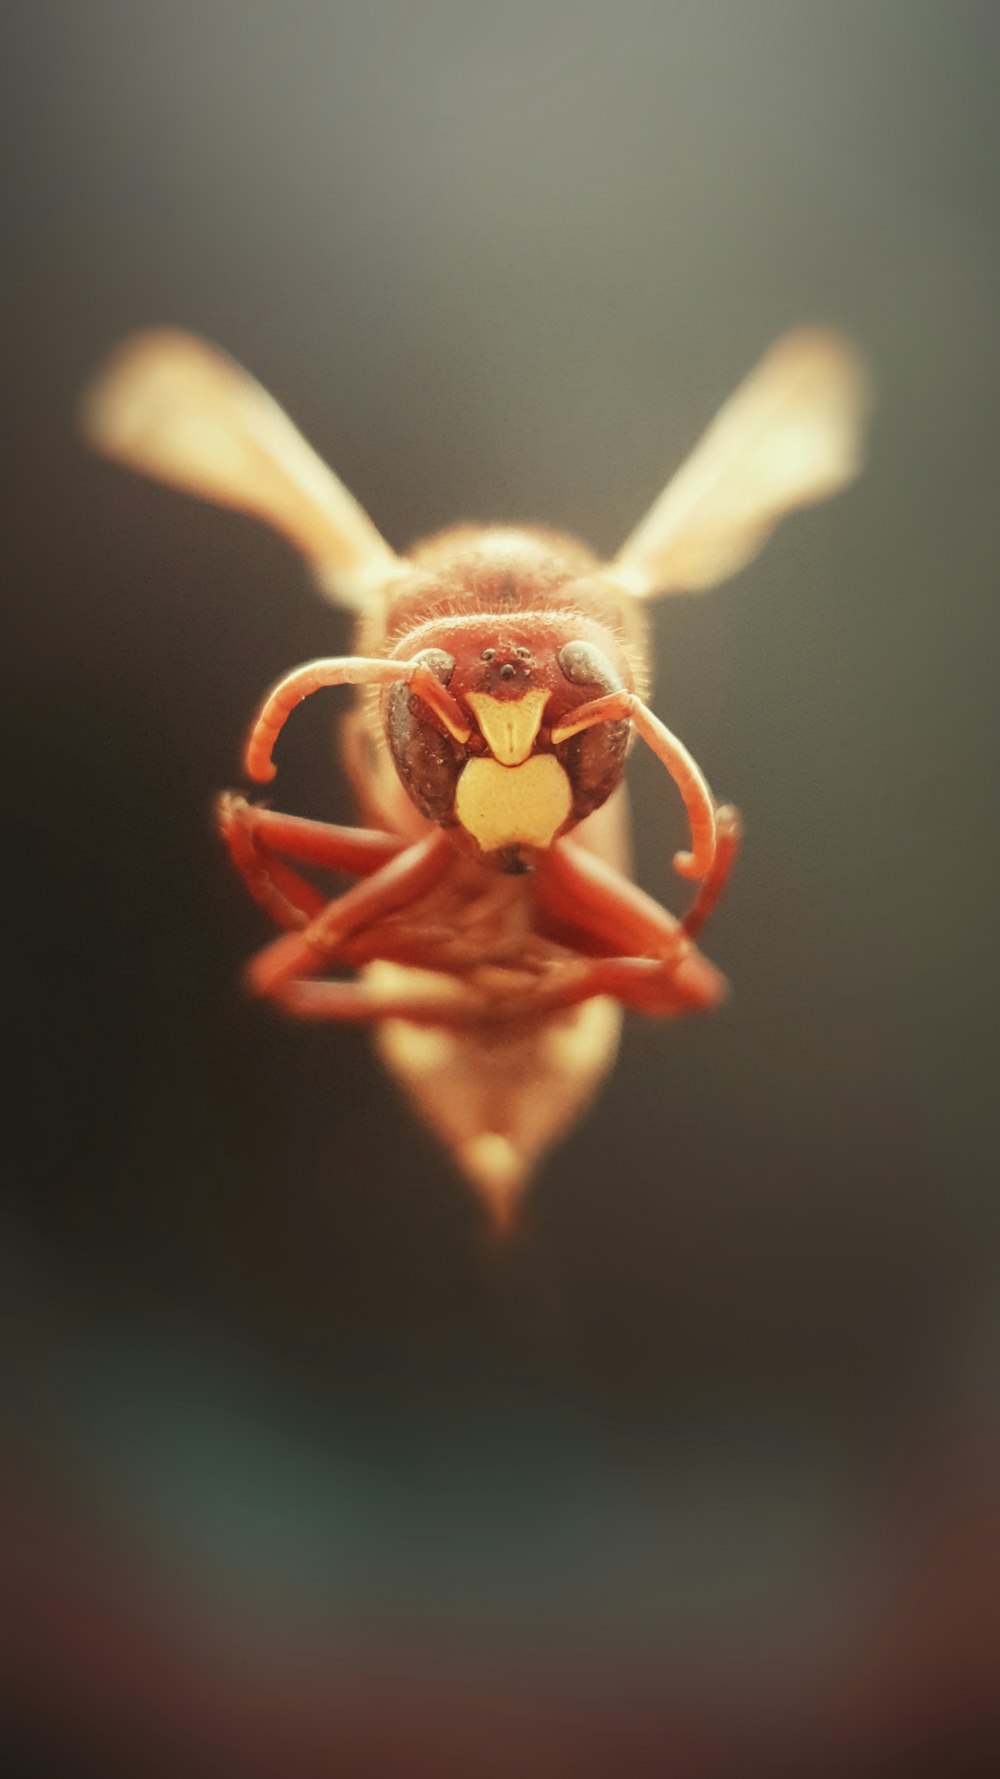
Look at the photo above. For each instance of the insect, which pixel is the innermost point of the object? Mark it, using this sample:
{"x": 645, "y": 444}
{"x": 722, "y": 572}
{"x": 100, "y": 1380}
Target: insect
{"x": 491, "y": 935}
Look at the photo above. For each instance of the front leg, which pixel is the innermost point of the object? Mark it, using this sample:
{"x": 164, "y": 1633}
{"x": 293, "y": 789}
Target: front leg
{"x": 257, "y": 838}
{"x": 579, "y": 891}
{"x": 644, "y": 955}
{"x": 260, "y": 843}
{"x": 397, "y": 883}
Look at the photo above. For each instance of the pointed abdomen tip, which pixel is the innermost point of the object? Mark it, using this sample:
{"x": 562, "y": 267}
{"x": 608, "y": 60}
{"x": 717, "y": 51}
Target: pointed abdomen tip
{"x": 498, "y": 1172}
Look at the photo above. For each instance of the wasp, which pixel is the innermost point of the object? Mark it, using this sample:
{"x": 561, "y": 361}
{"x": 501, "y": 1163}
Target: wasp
{"x": 492, "y": 935}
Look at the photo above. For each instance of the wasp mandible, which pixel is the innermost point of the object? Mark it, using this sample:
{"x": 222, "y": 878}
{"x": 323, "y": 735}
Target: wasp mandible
{"x": 491, "y": 936}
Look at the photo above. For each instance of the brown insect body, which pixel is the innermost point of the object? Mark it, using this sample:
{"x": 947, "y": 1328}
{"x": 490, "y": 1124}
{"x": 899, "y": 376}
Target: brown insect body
{"x": 498, "y": 1094}
{"x": 492, "y": 926}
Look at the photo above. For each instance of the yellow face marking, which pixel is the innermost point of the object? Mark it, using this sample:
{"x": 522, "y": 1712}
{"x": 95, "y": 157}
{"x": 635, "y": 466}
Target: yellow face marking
{"x": 510, "y": 725}
{"x": 522, "y": 805}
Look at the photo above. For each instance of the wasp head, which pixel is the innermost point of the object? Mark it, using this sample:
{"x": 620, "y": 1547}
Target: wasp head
{"x": 484, "y": 755}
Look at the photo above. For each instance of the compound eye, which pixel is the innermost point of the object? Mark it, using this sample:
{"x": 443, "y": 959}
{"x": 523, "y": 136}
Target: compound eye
{"x": 428, "y": 763}
{"x": 442, "y": 666}
{"x": 595, "y": 758}
{"x": 584, "y": 665}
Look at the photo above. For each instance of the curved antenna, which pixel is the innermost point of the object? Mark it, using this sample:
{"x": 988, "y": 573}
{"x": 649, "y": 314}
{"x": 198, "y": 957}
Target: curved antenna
{"x": 692, "y": 784}
{"x": 682, "y": 767}
{"x": 175, "y": 408}
{"x": 791, "y": 435}
{"x": 341, "y": 670}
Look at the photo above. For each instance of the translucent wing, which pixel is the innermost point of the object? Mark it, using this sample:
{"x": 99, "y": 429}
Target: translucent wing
{"x": 175, "y": 408}
{"x": 791, "y": 435}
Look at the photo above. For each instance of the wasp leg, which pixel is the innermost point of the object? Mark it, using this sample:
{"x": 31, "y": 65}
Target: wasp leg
{"x": 589, "y": 906}
{"x": 654, "y": 967}
{"x": 662, "y": 988}
{"x": 637, "y": 982}
{"x": 579, "y": 892}
{"x": 256, "y": 838}
{"x": 728, "y": 834}
{"x": 396, "y": 884}
{"x": 445, "y": 1002}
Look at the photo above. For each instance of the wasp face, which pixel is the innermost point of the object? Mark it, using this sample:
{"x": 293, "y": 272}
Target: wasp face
{"x": 495, "y": 775}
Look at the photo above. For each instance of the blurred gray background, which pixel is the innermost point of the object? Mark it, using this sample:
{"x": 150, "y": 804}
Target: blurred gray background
{"x": 504, "y": 263}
